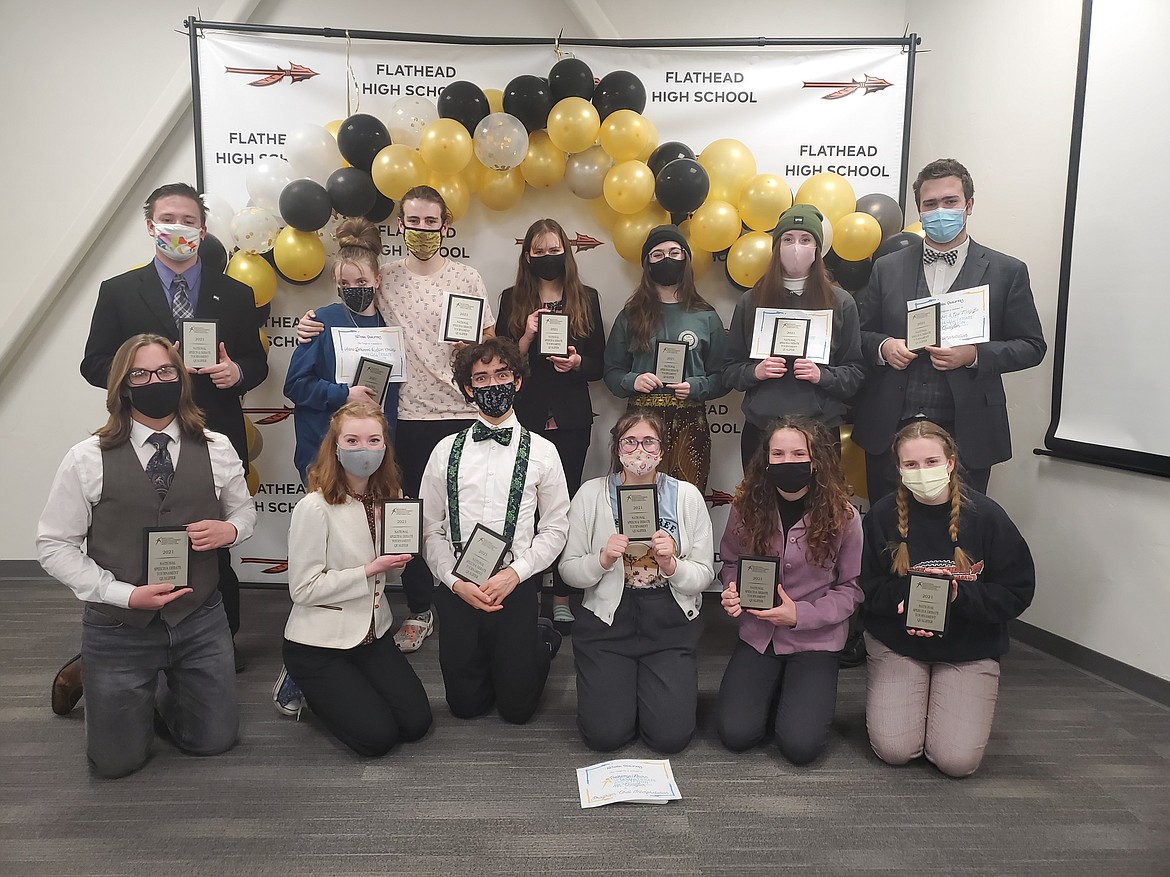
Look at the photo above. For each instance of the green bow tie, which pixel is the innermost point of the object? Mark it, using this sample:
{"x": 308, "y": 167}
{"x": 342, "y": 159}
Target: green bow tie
{"x": 481, "y": 432}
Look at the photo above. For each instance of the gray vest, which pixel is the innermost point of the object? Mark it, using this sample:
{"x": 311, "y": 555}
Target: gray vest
{"x": 928, "y": 392}
{"x": 129, "y": 503}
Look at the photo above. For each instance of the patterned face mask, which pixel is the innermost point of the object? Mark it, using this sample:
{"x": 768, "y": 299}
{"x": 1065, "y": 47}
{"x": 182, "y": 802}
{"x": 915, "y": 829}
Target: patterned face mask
{"x": 422, "y": 243}
{"x": 179, "y": 242}
{"x": 496, "y": 400}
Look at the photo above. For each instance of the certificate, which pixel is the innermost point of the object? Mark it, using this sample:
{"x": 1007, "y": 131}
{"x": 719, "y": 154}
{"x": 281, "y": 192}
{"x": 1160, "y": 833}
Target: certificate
{"x": 638, "y": 511}
{"x": 199, "y": 342}
{"x": 482, "y": 555}
{"x": 923, "y": 326}
{"x": 670, "y": 361}
{"x": 820, "y": 332}
{"x": 382, "y": 343}
{"x": 375, "y": 375}
{"x": 928, "y": 603}
{"x": 756, "y": 579}
{"x": 554, "y": 335}
{"x": 790, "y": 337}
{"x": 462, "y": 318}
{"x": 964, "y": 317}
{"x": 629, "y": 780}
{"x": 166, "y": 556}
{"x": 402, "y": 526}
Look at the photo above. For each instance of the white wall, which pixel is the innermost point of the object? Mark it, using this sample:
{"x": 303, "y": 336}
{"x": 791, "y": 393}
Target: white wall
{"x": 994, "y": 88}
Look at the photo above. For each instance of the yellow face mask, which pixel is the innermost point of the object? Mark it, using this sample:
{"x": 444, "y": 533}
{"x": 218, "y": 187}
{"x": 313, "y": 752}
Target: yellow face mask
{"x": 421, "y": 242}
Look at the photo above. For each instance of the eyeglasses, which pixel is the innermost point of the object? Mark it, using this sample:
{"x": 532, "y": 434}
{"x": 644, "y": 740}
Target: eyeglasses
{"x": 658, "y": 255}
{"x": 483, "y": 379}
{"x": 649, "y": 444}
{"x": 139, "y": 376}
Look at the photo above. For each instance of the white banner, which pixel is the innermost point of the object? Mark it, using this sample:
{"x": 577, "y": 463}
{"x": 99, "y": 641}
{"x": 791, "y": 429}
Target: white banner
{"x": 773, "y": 99}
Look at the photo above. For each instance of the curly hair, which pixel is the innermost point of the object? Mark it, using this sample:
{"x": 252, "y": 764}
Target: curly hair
{"x": 487, "y": 350}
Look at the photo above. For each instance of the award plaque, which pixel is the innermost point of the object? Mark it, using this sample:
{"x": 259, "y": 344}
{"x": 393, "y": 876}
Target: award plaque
{"x": 790, "y": 338}
{"x": 463, "y": 318}
{"x": 199, "y": 342}
{"x": 166, "y": 556}
{"x": 638, "y": 511}
{"x": 482, "y": 555}
{"x": 756, "y": 579}
{"x": 554, "y": 335}
{"x": 928, "y": 603}
{"x": 924, "y": 327}
{"x": 670, "y": 361}
{"x": 374, "y": 374}
{"x": 402, "y": 527}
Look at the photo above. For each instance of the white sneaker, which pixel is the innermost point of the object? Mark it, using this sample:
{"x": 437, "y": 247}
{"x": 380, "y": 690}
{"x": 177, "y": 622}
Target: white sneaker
{"x": 414, "y": 630}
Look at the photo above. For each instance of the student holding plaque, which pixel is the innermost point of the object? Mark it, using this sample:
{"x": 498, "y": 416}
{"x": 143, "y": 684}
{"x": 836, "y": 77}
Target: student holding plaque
{"x": 555, "y": 403}
{"x": 793, "y": 507}
{"x": 153, "y": 467}
{"x": 931, "y": 694}
{"x": 634, "y": 644}
{"x": 495, "y": 516}
{"x": 780, "y": 386}
{"x": 337, "y": 642}
{"x": 666, "y": 306}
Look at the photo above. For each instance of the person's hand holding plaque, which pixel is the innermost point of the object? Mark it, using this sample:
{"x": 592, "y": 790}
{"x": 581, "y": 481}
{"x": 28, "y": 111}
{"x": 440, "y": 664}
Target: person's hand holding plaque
{"x": 385, "y": 562}
{"x": 922, "y": 605}
{"x": 225, "y": 373}
{"x": 553, "y": 334}
{"x": 663, "y": 548}
{"x": 783, "y": 614}
{"x": 771, "y": 367}
{"x": 155, "y": 596}
{"x": 647, "y": 382}
{"x": 209, "y": 535}
{"x": 896, "y": 354}
{"x": 806, "y": 370}
{"x": 614, "y": 548}
{"x": 474, "y": 597}
{"x": 500, "y": 585}
{"x": 946, "y": 359}
{"x": 729, "y": 599}
{"x": 568, "y": 363}
{"x": 681, "y": 390}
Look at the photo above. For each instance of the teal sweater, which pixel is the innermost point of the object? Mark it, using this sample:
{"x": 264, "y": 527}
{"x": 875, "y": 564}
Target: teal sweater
{"x": 702, "y": 330}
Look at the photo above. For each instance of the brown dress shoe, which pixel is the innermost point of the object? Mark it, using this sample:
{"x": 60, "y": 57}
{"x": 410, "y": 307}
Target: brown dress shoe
{"x": 67, "y": 686}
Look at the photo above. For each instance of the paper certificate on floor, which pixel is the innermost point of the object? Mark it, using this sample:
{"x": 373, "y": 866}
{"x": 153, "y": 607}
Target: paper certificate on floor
{"x": 628, "y": 780}
{"x": 964, "y": 317}
{"x": 382, "y": 343}
{"x": 820, "y": 332}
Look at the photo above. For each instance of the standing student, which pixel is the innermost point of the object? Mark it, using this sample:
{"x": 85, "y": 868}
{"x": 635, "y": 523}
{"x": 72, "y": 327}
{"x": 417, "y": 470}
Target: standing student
{"x": 930, "y": 694}
{"x": 336, "y": 643}
{"x": 666, "y": 306}
{"x": 555, "y": 403}
{"x": 782, "y": 676}
{"x": 635, "y": 642}
{"x": 774, "y": 387}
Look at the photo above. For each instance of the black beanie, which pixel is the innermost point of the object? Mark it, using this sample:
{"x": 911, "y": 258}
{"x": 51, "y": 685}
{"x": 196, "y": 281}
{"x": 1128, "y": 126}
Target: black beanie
{"x": 661, "y": 234}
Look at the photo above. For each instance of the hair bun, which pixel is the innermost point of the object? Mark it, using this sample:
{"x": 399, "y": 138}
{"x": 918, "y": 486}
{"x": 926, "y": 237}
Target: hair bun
{"x": 359, "y": 233}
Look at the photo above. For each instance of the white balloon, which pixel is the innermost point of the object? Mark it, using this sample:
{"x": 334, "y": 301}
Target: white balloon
{"x": 501, "y": 141}
{"x": 312, "y": 152}
{"x": 328, "y": 234}
{"x": 408, "y": 117}
{"x": 827, "y": 231}
{"x": 219, "y": 220}
{"x": 255, "y": 229}
{"x": 266, "y": 179}
{"x": 585, "y": 172}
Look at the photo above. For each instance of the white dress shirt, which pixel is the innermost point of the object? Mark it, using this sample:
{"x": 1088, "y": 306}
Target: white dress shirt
{"x": 77, "y": 488}
{"x": 485, "y": 477}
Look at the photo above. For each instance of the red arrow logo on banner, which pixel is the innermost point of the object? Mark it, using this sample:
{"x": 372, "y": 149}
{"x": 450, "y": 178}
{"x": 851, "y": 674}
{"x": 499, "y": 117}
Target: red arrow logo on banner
{"x": 275, "y": 415}
{"x": 277, "y": 566}
{"x": 579, "y": 242}
{"x": 871, "y": 85}
{"x": 273, "y": 75}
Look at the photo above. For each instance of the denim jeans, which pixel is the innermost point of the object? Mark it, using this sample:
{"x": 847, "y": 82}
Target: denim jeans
{"x": 122, "y": 686}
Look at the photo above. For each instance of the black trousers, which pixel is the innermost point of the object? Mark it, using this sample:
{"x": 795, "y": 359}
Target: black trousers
{"x": 229, "y": 588}
{"x": 794, "y": 696}
{"x": 572, "y": 445}
{"x": 413, "y": 442}
{"x": 369, "y": 697}
{"x": 751, "y": 437}
{"x": 493, "y": 658}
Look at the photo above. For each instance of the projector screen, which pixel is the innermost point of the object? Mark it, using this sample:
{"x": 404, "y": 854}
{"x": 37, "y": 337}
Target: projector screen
{"x": 1109, "y": 399}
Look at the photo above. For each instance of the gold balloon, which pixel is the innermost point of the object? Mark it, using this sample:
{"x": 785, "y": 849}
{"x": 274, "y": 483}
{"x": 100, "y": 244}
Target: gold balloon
{"x": 255, "y": 439}
{"x": 651, "y": 143}
{"x": 333, "y": 127}
{"x": 829, "y": 193}
{"x": 573, "y": 124}
{"x": 252, "y": 270}
{"x": 445, "y": 146}
{"x": 397, "y": 169}
{"x": 495, "y": 99}
{"x": 748, "y": 258}
{"x": 715, "y": 226}
{"x": 853, "y": 462}
{"x": 856, "y": 236}
{"x": 253, "y": 479}
{"x": 763, "y": 199}
{"x": 454, "y": 190}
{"x": 916, "y": 228}
{"x": 629, "y": 187}
{"x": 629, "y": 232}
{"x": 700, "y": 258}
{"x": 729, "y": 164}
{"x": 501, "y": 190}
{"x": 544, "y": 166}
{"x": 299, "y": 255}
{"x": 625, "y": 135}
{"x": 605, "y": 215}
{"x": 474, "y": 175}
{"x": 264, "y": 342}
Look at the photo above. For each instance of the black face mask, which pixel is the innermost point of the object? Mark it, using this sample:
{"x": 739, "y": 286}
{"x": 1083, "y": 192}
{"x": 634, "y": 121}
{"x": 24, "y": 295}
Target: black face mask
{"x": 548, "y": 267}
{"x": 668, "y": 272}
{"x": 357, "y": 298}
{"x": 790, "y": 477}
{"x": 157, "y": 399}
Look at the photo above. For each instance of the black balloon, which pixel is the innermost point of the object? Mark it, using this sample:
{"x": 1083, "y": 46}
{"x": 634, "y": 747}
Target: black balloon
{"x": 885, "y": 210}
{"x": 305, "y": 205}
{"x": 464, "y": 102}
{"x": 619, "y": 90}
{"x": 896, "y": 242}
{"x": 381, "y": 210}
{"x": 529, "y": 100}
{"x": 666, "y": 153}
{"x": 351, "y": 191}
{"x": 850, "y": 276}
{"x": 360, "y": 138}
{"x": 570, "y": 77}
{"x": 682, "y": 186}
{"x": 212, "y": 254}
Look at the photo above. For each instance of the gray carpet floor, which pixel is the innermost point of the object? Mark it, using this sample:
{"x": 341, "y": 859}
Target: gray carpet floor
{"x": 1076, "y": 782}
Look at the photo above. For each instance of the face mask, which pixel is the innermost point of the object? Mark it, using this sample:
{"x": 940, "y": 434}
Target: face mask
{"x": 789, "y": 477}
{"x": 422, "y": 243}
{"x": 926, "y": 484}
{"x": 357, "y": 298}
{"x": 496, "y": 400}
{"x": 639, "y": 463}
{"x": 178, "y": 242}
{"x": 943, "y": 225}
{"x": 548, "y": 267}
{"x": 668, "y": 272}
{"x": 156, "y": 400}
{"x": 360, "y": 462}
{"x": 796, "y": 259}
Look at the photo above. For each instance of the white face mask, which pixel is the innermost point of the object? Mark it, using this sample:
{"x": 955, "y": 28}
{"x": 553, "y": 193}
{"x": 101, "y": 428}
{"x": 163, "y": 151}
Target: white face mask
{"x": 926, "y": 484}
{"x": 639, "y": 463}
{"x": 178, "y": 242}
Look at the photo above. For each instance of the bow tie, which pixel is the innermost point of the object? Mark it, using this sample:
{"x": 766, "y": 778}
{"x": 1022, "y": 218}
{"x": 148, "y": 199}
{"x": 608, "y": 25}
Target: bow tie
{"x": 481, "y": 432}
{"x": 929, "y": 256}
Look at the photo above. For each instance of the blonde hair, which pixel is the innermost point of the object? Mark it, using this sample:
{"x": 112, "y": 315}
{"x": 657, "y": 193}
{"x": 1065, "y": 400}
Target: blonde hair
{"x": 360, "y": 243}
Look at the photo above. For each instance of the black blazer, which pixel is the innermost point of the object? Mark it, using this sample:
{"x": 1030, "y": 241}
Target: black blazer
{"x": 546, "y": 391}
{"x": 135, "y": 302}
{"x": 1017, "y": 342}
